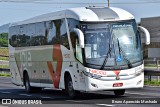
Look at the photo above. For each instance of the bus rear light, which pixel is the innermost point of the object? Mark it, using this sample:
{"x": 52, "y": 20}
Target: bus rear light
{"x": 117, "y": 84}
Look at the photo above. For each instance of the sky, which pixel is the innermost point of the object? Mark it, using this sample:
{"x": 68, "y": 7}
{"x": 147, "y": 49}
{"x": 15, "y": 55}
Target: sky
{"x": 19, "y": 10}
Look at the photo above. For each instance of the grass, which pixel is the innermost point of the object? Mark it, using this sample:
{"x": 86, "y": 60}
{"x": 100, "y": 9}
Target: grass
{"x": 150, "y": 66}
{"x": 4, "y": 51}
{"x": 152, "y": 82}
{"x": 4, "y": 58}
{"x": 4, "y": 66}
{"x": 5, "y": 75}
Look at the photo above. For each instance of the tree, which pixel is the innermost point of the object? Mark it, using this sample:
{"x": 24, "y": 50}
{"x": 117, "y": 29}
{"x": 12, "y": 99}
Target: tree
{"x": 4, "y": 40}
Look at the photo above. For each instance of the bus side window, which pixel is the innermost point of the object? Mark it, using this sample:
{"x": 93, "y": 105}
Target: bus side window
{"x": 56, "y": 33}
{"x": 76, "y": 47}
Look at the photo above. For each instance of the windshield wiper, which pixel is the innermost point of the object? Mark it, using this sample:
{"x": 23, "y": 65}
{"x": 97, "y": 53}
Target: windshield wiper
{"x": 124, "y": 55}
{"x": 106, "y": 58}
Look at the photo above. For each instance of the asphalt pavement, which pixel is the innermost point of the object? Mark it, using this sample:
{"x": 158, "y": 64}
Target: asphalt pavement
{"x": 57, "y": 98}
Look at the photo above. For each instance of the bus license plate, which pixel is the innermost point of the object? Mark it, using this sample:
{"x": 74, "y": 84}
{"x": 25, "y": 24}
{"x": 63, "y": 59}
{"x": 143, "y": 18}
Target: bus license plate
{"x": 117, "y": 84}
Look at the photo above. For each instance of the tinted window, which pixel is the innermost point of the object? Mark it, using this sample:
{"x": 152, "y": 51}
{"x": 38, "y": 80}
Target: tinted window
{"x": 38, "y": 38}
{"x": 22, "y": 36}
{"x": 56, "y": 33}
{"x": 76, "y": 47}
{"x": 72, "y": 23}
{"x": 13, "y": 36}
{"x": 42, "y": 33}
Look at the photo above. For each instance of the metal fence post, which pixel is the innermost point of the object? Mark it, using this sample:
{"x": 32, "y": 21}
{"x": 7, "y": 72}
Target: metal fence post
{"x": 149, "y": 77}
{"x": 157, "y": 64}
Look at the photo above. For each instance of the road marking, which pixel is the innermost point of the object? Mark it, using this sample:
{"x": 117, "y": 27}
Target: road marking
{"x": 152, "y": 86}
{"x": 145, "y": 94}
{"x": 74, "y": 101}
{"x": 3, "y": 106}
{"x": 6, "y": 92}
{"x": 135, "y": 93}
{"x": 107, "y": 105}
{"x": 47, "y": 97}
{"x": 25, "y": 95}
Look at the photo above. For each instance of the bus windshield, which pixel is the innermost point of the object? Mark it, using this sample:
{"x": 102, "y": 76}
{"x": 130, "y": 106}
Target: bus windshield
{"x": 112, "y": 45}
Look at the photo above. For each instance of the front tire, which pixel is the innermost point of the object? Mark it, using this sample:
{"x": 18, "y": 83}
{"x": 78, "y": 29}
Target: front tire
{"x": 69, "y": 87}
{"x": 119, "y": 92}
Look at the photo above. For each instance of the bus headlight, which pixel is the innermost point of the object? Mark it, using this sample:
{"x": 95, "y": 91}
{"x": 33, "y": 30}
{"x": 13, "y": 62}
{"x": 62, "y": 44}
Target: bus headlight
{"x": 139, "y": 72}
{"x": 91, "y": 75}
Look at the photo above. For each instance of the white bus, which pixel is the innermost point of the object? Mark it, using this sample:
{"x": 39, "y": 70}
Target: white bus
{"x": 78, "y": 50}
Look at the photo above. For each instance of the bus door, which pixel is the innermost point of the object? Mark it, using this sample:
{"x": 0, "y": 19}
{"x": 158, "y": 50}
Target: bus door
{"x": 77, "y": 64}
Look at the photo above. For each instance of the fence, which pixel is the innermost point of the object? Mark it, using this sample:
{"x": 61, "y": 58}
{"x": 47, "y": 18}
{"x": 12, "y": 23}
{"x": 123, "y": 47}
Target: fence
{"x": 4, "y": 71}
{"x": 4, "y": 60}
{"x": 152, "y": 74}
{"x": 152, "y": 63}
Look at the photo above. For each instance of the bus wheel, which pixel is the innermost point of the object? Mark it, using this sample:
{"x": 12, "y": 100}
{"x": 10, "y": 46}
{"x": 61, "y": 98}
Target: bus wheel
{"x": 119, "y": 92}
{"x": 69, "y": 87}
{"x": 28, "y": 88}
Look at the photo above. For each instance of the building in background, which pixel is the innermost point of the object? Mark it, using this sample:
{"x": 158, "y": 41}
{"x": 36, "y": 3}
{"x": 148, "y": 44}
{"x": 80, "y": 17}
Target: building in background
{"x": 152, "y": 51}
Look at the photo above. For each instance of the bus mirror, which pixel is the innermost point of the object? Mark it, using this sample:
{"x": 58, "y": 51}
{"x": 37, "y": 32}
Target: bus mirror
{"x": 80, "y": 36}
{"x": 146, "y": 33}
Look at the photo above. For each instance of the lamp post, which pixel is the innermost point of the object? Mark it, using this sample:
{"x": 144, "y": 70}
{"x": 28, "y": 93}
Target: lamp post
{"x": 108, "y": 3}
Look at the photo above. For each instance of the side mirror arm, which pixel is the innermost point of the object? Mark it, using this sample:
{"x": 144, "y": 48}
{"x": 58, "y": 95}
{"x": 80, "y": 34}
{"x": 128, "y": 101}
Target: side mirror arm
{"x": 80, "y": 36}
{"x": 147, "y": 34}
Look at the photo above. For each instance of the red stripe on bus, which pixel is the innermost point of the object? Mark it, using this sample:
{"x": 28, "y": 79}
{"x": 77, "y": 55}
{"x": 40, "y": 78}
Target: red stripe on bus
{"x": 51, "y": 70}
{"x": 57, "y": 57}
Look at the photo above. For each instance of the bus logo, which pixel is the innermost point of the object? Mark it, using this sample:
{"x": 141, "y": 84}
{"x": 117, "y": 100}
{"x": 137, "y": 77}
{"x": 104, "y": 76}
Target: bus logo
{"x": 98, "y": 72}
{"x": 117, "y": 78}
{"x": 117, "y": 74}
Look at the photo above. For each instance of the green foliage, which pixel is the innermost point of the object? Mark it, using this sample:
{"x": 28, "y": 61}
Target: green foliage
{"x": 4, "y": 40}
{"x": 4, "y": 66}
{"x": 4, "y": 58}
{"x": 6, "y": 75}
{"x": 152, "y": 82}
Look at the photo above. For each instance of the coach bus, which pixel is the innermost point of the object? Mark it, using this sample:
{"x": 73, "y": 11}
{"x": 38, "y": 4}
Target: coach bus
{"x": 77, "y": 50}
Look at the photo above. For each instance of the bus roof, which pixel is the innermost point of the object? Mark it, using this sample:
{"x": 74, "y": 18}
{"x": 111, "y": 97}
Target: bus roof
{"x": 83, "y": 14}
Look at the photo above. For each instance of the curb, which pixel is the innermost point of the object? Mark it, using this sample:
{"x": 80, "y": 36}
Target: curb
{"x": 151, "y": 86}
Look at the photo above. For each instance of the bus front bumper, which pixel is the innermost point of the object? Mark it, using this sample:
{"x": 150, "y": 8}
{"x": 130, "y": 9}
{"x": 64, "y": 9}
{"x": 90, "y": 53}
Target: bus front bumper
{"x": 97, "y": 84}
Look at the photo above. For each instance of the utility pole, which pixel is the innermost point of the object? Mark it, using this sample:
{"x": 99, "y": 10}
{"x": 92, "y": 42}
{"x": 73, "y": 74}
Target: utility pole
{"x": 108, "y": 3}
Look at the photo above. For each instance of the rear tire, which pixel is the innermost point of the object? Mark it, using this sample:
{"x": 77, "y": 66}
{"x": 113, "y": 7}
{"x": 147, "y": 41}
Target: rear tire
{"x": 119, "y": 92}
{"x": 28, "y": 88}
{"x": 36, "y": 89}
{"x": 69, "y": 88}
